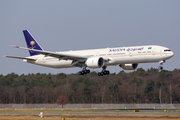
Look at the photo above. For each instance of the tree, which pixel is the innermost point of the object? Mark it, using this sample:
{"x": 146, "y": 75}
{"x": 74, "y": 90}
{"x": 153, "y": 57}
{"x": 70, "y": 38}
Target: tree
{"x": 86, "y": 93}
{"x": 61, "y": 75}
{"x": 140, "y": 70}
{"x": 136, "y": 82}
{"x": 158, "y": 85}
{"x": 122, "y": 72}
{"x": 148, "y": 90}
{"x": 153, "y": 70}
{"x": 119, "y": 82}
{"x": 113, "y": 90}
{"x": 62, "y": 100}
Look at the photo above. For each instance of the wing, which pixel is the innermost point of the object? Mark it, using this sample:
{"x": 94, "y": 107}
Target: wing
{"x": 21, "y": 58}
{"x": 59, "y": 55}
{"x": 77, "y": 60}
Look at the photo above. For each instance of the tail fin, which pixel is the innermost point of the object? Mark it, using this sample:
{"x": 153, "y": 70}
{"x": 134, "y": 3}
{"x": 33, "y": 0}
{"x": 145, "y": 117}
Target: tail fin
{"x": 31, "y": 43}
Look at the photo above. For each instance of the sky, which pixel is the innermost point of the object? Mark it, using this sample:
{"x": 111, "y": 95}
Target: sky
{"x": 66, "y": 25}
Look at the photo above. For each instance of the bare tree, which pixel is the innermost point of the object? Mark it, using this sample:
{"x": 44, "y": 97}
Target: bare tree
{"x": 62, "y": 100}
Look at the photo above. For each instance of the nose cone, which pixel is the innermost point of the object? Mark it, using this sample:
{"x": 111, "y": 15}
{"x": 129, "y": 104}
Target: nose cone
{"x": 172, "y": 54}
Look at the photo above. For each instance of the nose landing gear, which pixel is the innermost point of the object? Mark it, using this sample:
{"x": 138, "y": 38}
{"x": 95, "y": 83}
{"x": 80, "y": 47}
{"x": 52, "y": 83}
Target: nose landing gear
{"x": 161, "y": 63}
{"x": 160, "y": 68}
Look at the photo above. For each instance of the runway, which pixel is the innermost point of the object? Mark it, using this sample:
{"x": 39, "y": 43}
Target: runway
{"x": 94, "y": 111}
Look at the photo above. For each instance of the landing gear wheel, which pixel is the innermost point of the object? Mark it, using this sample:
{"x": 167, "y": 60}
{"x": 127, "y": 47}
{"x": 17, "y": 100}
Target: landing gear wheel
{"x": 81, "y": 73}
{"x": 84, "y": 72}
{"x": 107, "y": 72}
{"x": 100, "y": 74}
{"x": 104, "y": 71}
{"x": 87, "y": 71}
{"x": 160, "y": 68}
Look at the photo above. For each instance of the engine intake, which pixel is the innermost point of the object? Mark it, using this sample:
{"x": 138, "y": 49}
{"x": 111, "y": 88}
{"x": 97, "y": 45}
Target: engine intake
{"x": 128, "y": 66}
{"x": 95, "y": 62}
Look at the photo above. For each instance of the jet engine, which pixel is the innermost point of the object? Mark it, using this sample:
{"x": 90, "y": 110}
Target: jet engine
{"x": 128, "y": 66}
{"x": 95, "y": 62}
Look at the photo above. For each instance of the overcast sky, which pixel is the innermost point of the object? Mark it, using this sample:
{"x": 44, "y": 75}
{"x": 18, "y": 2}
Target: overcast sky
{"x": 79, "y": 24}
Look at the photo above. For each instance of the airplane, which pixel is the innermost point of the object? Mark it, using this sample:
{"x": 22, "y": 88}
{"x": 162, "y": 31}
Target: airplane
{"x": 127, "y": 58}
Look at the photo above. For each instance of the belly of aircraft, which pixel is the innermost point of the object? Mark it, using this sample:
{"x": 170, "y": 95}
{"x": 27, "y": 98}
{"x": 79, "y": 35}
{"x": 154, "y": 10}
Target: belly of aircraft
{"x": 113, "y": 61}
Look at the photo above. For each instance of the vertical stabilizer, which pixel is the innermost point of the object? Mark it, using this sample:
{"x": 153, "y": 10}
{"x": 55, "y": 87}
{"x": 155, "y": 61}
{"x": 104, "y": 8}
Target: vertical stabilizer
{"x": 31, "y": 43}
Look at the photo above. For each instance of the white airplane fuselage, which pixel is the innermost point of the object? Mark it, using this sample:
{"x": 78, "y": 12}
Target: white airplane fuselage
{"x": 115, "y": 56}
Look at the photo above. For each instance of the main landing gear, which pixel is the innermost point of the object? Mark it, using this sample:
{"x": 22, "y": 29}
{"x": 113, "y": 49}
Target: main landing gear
{"x": 84, "y": 71}
{"x": 104, "y": 71}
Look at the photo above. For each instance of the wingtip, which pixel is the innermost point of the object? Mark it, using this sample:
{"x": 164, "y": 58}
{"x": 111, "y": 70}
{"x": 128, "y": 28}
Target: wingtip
{"x": 6, "y": 56}
{"x": 14, "y": 46}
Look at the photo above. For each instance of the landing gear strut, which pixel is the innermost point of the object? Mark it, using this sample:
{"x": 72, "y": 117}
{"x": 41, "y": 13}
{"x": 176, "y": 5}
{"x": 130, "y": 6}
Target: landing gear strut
{"x": 161, "y": 63}
{"x": 84, "y": 71}
{"x": 104, "y": 71}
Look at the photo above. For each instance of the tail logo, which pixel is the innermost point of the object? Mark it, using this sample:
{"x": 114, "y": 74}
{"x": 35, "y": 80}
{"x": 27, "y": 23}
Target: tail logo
{"x": 32, "y": 46}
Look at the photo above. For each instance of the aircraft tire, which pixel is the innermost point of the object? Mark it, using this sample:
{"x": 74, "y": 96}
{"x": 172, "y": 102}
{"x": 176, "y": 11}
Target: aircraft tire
{"x": 107, "y": 72}
{"x": 80, "y": 73}
{"x": 104, "y": 73}
{"x": 160, "y": 68}
{"x": 100, "y": 74}
{"x": 85, "y": 71}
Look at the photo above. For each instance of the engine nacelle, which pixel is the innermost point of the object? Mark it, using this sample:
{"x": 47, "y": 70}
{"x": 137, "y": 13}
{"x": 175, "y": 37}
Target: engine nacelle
{"x": 128, "y": 66}
{"x": 95, "y": 62}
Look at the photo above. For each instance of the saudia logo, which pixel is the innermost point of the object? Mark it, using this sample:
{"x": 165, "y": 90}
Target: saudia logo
{"x": 32, "y": 46}
{"x": 126, "y": 49}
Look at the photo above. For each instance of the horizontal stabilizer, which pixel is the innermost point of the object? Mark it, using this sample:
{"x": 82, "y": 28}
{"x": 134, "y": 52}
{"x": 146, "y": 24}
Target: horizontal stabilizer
{"x": 20, "y": 58}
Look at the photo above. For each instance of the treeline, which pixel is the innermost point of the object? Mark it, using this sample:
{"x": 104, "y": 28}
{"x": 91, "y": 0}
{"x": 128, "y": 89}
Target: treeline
{"x": 140, "y": 86}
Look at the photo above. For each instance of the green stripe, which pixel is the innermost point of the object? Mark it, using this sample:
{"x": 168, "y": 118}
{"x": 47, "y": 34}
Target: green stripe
{"x": 149, "y": 47}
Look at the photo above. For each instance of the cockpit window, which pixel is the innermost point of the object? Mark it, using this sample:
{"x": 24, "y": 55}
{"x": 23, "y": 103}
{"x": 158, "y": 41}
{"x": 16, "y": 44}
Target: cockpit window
{"x": 166, "y": 50}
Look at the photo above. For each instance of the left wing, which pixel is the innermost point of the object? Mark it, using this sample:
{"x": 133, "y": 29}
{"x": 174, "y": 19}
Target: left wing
{"x": 57, "y": 55}
{"x": 76, "y": 59}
